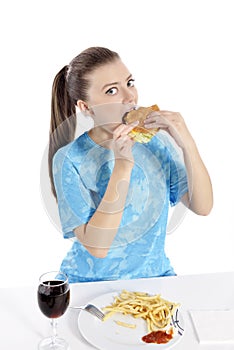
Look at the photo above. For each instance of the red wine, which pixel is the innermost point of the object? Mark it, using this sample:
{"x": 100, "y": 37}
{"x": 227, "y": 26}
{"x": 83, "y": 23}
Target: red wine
{"x": 53, "y": 298}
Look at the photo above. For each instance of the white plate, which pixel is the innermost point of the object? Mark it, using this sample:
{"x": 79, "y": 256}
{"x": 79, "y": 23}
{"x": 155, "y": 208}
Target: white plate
{"x": 108, "y": 335}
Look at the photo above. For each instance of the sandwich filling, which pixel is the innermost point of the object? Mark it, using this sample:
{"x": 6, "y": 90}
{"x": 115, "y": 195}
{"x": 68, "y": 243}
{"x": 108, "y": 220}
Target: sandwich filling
{"x": 140, "y": 133}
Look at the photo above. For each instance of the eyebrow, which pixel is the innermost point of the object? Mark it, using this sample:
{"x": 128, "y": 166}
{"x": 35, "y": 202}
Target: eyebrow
{"x": 115, "y": 82}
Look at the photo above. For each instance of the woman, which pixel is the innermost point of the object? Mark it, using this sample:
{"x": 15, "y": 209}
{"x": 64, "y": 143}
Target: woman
{"x": 113, "y": 194}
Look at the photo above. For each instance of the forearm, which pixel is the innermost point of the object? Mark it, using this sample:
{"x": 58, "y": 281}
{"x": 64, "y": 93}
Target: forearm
{"x": 100, "y": 231}
{"x": 200, "y": 196}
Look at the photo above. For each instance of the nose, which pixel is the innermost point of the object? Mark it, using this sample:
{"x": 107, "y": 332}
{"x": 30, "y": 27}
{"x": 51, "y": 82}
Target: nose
{"x": 128, "y": 96}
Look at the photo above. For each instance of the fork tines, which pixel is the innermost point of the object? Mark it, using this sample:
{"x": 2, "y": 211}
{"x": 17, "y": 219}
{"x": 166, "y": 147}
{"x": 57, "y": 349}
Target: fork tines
{"x": 95, "y": 311}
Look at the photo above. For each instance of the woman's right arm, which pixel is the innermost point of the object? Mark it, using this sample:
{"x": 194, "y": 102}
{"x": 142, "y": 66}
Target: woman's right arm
{"x": 97, "y": 235}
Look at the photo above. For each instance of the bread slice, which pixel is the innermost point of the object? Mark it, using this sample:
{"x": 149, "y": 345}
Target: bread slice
{"x": 140, "y": 133}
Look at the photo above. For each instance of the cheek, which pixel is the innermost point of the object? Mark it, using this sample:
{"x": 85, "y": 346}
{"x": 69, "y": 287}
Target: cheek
{"x": 136, "y": 96}
{"x": 108, "y": 113}
{"x": 135, "y": 93}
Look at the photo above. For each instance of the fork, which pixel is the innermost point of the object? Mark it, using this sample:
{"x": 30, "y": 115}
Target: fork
{"x": 92, "y": 309}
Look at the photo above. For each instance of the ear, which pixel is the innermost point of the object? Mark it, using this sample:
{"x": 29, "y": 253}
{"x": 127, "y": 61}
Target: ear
{"x": 84, "y": 108}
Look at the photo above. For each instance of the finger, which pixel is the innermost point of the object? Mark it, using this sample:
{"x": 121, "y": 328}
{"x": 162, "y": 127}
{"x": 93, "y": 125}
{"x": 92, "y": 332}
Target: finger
{"x": 124, "y": 129}
{"x": 165, "y": 118}
{"x": 152, "y": 117}
{"x": 129, "y": 127}
{"x": 150, "y": 120}
{"x": 171, "y": 115}
{"x": 151, "y": 125}
{"x": 153, "y": 114}
{"x": 156, "y": 121}
{"x": 121, "y": 140}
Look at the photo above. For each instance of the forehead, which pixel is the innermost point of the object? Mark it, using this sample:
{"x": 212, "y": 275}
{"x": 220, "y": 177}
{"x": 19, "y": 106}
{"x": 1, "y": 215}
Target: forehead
{"x": 115, "y": 71}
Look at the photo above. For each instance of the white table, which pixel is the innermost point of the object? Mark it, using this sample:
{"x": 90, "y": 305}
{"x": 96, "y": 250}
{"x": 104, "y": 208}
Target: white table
{"x": 22, "y": 325}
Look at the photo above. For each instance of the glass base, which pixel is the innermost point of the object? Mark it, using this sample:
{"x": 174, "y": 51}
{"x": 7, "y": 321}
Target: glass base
{"x": 53, "y": 344}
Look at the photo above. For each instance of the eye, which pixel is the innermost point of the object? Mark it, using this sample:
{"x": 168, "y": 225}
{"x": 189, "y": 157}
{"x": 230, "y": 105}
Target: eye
{"x": 111, "y": 91}
{"x": 131, "y": 83}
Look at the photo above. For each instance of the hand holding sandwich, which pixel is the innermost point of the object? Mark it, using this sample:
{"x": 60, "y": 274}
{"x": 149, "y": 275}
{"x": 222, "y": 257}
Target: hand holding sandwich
{"x": 122, "y": 143}
{"x": 173, "y": 123}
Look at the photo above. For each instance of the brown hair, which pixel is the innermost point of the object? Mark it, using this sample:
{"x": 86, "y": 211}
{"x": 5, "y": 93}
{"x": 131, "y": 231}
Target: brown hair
{"x": 70, "y": 85}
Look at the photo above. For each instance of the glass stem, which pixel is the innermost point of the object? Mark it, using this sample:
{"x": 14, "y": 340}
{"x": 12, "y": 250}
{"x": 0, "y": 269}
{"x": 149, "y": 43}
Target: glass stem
{"x": 54, "y": 329}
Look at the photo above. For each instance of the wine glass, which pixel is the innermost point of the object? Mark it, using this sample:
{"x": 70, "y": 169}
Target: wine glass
{"x": 53, "y": 299}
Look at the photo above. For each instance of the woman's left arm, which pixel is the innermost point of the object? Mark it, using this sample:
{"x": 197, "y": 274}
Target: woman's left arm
{"x": 200, "y": 195}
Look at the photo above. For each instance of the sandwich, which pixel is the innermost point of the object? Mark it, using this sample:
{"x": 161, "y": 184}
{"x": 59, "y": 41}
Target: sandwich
{"x": 140, "y": 133}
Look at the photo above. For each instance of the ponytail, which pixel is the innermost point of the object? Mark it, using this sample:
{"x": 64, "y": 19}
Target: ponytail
{"x": 63, "y": 119}
{"x": 70, "y": 85}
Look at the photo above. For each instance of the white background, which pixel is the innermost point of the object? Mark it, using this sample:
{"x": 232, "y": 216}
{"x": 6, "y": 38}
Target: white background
{"x": 181, "y": 55}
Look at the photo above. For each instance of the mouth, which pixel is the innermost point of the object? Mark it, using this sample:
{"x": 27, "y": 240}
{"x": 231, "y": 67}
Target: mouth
{"x": 126, "y": 113}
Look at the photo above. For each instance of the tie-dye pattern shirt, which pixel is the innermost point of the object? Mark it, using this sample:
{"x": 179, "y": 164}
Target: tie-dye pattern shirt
{"x": 82, "y": 170}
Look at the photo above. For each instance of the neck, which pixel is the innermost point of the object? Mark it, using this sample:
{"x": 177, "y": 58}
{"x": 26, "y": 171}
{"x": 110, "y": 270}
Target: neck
{"x": 101, "y": 136}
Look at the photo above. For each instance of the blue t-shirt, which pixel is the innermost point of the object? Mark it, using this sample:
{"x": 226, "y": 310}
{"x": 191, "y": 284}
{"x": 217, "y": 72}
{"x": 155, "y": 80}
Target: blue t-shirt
{"x": 82, "y": 170}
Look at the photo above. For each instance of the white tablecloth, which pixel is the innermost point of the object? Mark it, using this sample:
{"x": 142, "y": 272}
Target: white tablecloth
{"x": 22, "y": 325}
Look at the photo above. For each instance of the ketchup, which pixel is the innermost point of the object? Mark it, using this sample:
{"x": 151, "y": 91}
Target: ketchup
{"x": 159, "y": 337}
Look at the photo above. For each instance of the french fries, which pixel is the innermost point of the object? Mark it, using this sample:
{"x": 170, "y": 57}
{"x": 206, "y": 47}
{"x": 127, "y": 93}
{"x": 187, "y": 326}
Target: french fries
{"x": 124, "y": 324}
{"x": 156, "y": 311}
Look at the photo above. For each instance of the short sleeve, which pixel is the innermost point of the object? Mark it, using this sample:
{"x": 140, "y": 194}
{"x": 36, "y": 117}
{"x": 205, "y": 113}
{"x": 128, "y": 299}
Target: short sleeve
{"x": 74, "y": 199}
{"x": 178, "y": 180}
{"x": 178, "y": 173}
